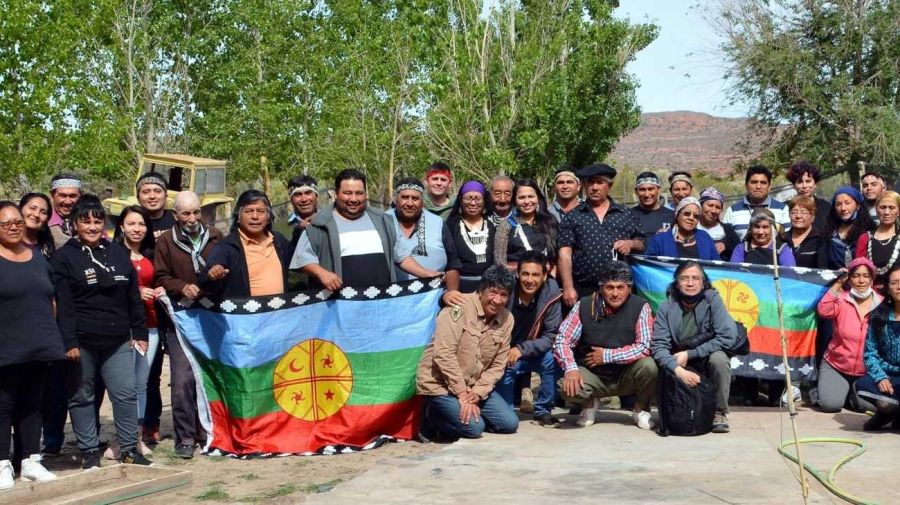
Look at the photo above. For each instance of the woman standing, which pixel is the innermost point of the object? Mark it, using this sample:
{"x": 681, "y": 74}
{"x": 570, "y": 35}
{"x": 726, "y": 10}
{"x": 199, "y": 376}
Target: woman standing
{"x": 805, "y": 240}
{"x": 758, "y": 244}
{"x": 530, "y": 228}
{"x": 881, "y": 246}
{"x": 132, "y": 233}
{"x": 29, "y": 339}
{"x": 881, "y": 383}
{"x": 35, "y": 209}
{"x": 805, "y": 176}
{"x": 102, "y": 321}
{"x": 472, "y": 233}
{"x": 848, "y": 303}
{"x": 846, "y": 222}
{"x": 712, "y": 203}
{"x": 684, "y": 240}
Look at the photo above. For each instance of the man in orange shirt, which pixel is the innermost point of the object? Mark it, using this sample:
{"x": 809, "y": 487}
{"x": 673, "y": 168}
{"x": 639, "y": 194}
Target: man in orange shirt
{"x": 253, "y": 259}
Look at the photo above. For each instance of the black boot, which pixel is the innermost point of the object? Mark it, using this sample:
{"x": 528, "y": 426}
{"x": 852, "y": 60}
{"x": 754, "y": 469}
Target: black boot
{"x": 877, "y": 421}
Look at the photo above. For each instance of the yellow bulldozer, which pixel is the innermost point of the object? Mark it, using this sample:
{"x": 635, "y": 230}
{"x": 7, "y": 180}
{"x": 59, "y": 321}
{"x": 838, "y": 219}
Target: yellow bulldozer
{"x": 203, "y": 176}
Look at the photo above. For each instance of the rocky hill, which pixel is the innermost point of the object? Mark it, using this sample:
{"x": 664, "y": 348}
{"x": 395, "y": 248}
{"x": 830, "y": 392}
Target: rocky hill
{"x": 683, "y": 140}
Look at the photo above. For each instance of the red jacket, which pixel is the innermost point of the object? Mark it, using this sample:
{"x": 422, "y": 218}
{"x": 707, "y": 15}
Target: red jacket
{"x": 845, "y": 351}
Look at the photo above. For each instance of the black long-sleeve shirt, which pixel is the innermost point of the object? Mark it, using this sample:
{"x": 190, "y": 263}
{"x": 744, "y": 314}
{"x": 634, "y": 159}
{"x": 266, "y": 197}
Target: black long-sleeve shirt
{"x": 87, "y": 313}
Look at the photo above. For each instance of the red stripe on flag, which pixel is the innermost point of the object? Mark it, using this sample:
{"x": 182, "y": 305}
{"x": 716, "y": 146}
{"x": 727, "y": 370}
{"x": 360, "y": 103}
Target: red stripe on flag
{"x": 280, "y": 432}
{"x": 768, "y": 341}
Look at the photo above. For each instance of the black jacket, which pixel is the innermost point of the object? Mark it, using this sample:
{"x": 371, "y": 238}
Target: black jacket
{"x": 230, "y": 254}
{"x": 89, "y": 312}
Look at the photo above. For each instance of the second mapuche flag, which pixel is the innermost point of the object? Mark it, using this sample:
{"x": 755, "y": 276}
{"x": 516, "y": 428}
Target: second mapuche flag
{"x": 303, "y": 371}
{"x": 749, "y": 294}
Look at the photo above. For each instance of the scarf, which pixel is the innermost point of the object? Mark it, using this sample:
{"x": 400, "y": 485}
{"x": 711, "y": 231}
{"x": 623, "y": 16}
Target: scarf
{"x": 183, "y": 242}
{"x": 690, "y": 300}
{"x": 420, "y": 249}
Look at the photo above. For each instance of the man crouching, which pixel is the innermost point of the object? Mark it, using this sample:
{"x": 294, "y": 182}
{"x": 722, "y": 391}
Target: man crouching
{"x": 467, "y": 356}
{"x": 604, "y": 348}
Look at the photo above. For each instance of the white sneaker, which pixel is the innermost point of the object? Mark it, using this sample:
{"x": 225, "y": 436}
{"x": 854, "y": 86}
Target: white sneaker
{"x": 7, "y": 475}
{"x": 643, "y": 420}
{"x": 142, "y": 449}
{"x": 112, "y": 452}
{"x": 588, "y": 414}
{"x": 796, "y": 391}
{"x": 32, "y": 469}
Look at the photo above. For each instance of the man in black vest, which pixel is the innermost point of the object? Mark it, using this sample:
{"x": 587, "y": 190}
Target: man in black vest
{"x": 603, "y": 347}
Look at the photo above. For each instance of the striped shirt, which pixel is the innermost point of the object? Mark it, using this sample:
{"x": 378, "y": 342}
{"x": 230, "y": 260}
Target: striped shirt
{"x": 738, "y": 215}
{"x": 570, "y": 334}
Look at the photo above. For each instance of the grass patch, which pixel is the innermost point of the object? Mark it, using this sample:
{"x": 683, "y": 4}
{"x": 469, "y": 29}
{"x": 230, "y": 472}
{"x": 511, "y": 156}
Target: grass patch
{"x": 289, "y": 489}
{"x": 217, "y": 459}
{"x": 215, "y": 492}
{"x": 168, "y": 454}
{"x": 249, "y": 476}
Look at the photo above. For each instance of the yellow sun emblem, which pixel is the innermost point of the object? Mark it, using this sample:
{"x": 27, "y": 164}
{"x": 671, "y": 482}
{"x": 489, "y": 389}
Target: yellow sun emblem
{"x": 740, "y": 300}
{"x": 313, "y": 380}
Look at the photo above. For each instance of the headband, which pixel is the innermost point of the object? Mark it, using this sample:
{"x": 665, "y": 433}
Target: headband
{"x": 688, "y": 200}
{"x": 416, "y": 186}
{"x": 712, "y": 194}
{"x": 565, "y": 172}
{"x": 615, "y": 271}
{"x": 682, "y": 177}
{"x": 65, "y": 183}
{"x": 470, "y": 186}
{"x": 151, "y": 179}
{"x": 306, "y": 187}
{"x": 647, "y": 180}
{"x": 432, "y": 171}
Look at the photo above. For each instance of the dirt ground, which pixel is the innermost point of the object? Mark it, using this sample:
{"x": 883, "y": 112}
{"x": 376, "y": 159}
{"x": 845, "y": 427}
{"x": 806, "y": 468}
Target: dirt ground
{"x": 226, "y": 480}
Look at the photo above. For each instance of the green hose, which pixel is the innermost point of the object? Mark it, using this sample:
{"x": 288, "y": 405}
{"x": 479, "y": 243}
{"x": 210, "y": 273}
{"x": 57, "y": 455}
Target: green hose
{"x": 828, "y": 480}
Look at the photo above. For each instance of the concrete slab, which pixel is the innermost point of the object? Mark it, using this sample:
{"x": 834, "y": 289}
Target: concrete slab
{"x": 614, "y": 462}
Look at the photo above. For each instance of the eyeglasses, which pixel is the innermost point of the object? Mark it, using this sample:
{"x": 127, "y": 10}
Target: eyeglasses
{"x": 690, "y": 278}
{"x": 473, "y": 199}
{"x": 690, "y": 214}
{"x": 800, "y": 212}
{"x": 5, "y": 225}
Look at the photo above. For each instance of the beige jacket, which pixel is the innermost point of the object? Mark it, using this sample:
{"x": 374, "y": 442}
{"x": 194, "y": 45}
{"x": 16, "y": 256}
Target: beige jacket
{"x": 467, "y": 352}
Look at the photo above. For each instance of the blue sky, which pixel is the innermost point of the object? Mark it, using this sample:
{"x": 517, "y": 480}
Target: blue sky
{"x": 682, "y": 69}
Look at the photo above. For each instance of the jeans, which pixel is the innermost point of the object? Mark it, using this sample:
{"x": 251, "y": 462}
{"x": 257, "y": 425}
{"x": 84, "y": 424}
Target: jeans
{"x": 116, "y": 365}
{"x": 546, "y": 367}
{"x": 153, "y": 408}
{"x": 142, "y": 366}
{"x": 184, "y": 394}
{"x": 21, "y": 388}
{"x": 442, "y": 414}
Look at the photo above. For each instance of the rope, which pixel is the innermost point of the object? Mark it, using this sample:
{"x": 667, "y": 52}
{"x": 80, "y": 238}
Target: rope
{"x": 828, "y": 480}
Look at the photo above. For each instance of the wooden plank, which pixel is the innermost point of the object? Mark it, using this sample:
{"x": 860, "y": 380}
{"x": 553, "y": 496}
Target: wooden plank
{"x": 111, "y": 484}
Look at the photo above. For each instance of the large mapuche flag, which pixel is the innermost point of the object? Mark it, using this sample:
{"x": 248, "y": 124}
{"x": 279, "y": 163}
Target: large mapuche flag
{"x": 749, "y": 294}
{"x": 306, "y": 371}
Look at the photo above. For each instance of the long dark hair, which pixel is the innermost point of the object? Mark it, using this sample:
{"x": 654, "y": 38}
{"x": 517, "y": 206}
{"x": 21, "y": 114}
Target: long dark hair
{"x": 860, "y": 225}
{"x": 44, "y": 237}
{"x": 544, "y": 222}
{"x": 672, "y": 290}
{"x": 882, "y": 313}
{"x": 148, "y": 244}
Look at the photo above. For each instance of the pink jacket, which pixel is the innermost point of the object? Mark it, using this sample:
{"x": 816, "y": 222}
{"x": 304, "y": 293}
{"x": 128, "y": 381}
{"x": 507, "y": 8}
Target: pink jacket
{"x": 845, "y": 351}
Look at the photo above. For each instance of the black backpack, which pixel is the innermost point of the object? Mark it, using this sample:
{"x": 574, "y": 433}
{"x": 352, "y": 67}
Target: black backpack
{"x": 683, "y": 410}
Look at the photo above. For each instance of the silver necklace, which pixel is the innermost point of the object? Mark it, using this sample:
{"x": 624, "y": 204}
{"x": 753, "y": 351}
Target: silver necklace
{"x": 894, "y": 254}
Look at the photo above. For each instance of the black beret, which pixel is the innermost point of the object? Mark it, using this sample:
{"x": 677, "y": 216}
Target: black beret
{"x": 596, "y": 169}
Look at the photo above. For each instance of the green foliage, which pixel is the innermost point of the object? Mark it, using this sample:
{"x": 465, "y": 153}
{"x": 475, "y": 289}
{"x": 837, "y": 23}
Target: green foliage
{"x": 312, "y": 86}
{"x": 829, "y": 72}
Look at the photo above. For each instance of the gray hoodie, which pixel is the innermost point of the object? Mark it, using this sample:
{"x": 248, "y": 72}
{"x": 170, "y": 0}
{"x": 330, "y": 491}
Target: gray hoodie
{"x": 717, "y": 331}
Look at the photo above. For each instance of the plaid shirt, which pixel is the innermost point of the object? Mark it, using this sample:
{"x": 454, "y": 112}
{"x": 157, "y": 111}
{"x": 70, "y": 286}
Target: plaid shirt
{"x": 570, "y": 334}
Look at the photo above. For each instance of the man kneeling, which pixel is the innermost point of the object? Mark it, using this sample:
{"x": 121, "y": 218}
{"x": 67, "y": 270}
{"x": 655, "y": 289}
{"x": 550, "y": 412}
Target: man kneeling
{"x": 604, "y": 348}
{"x": 535, "y": 307}
{"x": 467, "y": 356}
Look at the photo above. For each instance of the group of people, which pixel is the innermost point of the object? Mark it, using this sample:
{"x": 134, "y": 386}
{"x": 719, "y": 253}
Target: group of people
{"x": 532, "y": 286}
